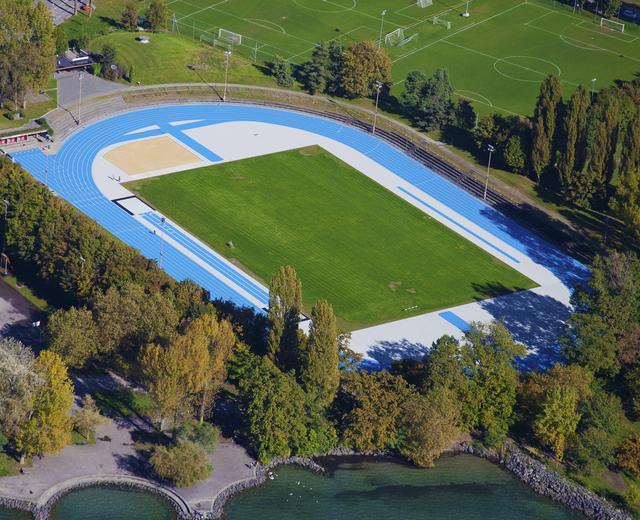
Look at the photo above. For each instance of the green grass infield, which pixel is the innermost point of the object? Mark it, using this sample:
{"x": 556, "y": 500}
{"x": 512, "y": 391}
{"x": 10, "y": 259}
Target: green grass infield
{"x": 352, "y": 242}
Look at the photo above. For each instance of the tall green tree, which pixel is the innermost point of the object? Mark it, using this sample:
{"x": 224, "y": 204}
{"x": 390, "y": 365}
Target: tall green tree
{"x": 28, "y": 45}
{"x": 443, "y": 366}
{"x": 630, "y": 158}
{"x": 487, "y": 356}
{"x": 74, "y": 336}
{"x": 376, "y": 401}
{"x": 558, "y": 419}
{"x": 130, "y": 15}
{"x": 47, "y": 428}
{"x": 282, "y": 71}
{"x": 547, "y": 112}
{"x": 575, "y": 132}
{"x": 275, "y": 405}
{"x": 514, "y": 155}
{"x": 430, "y": 425}
{"x": 320, "y": 374}
{"x": 362, "y": 65}
{"x": 285, "y": 307}
{"x": 428, "y": 100}
{"x": 322, "y": 71}
{"x": 157, "y": 14}
{"x": 626, "y": 203}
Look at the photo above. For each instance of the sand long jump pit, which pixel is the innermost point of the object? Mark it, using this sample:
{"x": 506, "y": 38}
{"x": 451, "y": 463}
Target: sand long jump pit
{"x": 151, "y": 155}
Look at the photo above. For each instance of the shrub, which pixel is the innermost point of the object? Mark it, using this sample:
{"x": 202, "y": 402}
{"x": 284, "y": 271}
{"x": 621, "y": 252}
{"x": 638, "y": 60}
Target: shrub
{"x": 494, "y": 438}
{"x": 203, "y": 434}
{"x": 183, "y": 464}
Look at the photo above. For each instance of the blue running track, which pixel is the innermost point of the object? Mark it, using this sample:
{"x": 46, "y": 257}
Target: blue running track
{"x": 70, "y": 176}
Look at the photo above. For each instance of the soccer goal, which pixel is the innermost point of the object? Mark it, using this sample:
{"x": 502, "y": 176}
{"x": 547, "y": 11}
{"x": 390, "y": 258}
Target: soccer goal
{"x": 610, "y": 24}
{"x": 230, "y": 36}
{"x": 394, "y": 37}
{"x": 444, "y": 23}
{"x": 401, "y": 43}
{"x": 425, "y": 3}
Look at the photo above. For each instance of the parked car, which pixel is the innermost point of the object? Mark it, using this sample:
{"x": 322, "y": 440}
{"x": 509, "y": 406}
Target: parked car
{"x": 629, "y": 14}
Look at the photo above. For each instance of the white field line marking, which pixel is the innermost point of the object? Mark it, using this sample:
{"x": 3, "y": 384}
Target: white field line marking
{"x": 508, "y": 62}
{"x": 489, "y": 105}
{"x": 579, "y": 24}
{"x": 459, "y": 31}
{"x": 488, "y": 101}
{"x": 213, "y": 7}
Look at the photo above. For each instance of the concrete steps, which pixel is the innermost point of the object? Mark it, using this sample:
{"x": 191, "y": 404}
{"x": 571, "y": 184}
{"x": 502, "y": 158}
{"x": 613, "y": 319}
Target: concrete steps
{"x": 67, "y": 120}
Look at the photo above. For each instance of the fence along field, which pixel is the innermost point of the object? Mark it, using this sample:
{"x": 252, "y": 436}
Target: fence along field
{"x": 498, "y": 56}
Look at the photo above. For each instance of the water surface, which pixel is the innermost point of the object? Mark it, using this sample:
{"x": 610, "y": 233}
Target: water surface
{"x": 111, "y": 503}
{"x": 459, "y": 487}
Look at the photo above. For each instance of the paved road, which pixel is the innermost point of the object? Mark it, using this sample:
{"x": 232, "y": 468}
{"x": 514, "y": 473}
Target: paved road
{"x": 92, "y": 87}
{"x": 17, "y": 314}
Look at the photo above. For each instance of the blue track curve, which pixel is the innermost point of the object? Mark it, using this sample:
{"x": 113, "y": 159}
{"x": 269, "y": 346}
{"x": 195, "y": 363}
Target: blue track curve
{"x": 70, "y": 176}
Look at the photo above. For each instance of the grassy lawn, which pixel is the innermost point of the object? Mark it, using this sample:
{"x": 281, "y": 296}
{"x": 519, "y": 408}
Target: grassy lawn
{"x": 351, "y": 241}
{"x": 77, "y": 437}
{"x": 11, "y": 466}
{"x": 25, "y": 291}
{"x": 174, "y": 59}
{"x": 123, "y": 403}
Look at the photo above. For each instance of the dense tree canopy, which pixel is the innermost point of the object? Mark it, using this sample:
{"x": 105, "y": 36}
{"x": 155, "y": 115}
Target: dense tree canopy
{"x": 363, "y": 64}
{"x": 27, "y": 47}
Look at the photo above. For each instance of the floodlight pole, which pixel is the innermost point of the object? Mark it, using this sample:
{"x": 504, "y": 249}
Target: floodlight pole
{"x": 80, "y": 76}
{"x": 381, "y": 24}
{"x": 375, "y": 114}
{"x": 593, "y": 87}
{"x": 4, "y": 238}
{"x": 486, "y": 186}
{"x": 162, "y": 220}
{"x": 466, "y": 13}
{"x": 606, "y": 228}
{"x": 226, "y": 72}
{"x": 83, "y": 261}
{"x": 46, "y": 165}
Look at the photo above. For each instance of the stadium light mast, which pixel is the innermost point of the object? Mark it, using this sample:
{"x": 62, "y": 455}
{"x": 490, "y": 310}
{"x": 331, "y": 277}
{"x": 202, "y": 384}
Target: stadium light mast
{"x": 466, "y": 13}
{"x": 226, "y": 72}
{"x": 162, "y": 220}
{"x": 80, "y": 76}
{"x": 381, "y": 24}
{"x": 375, "y": 114}
{"x": 593, "y": 87}
{"x": 486, "y": 185}
{"x": 4, "y": 238}
{"x": 83, "y": 260}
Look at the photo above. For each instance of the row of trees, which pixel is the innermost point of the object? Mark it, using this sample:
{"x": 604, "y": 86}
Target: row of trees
{"x": 572, "y": 148}
{"x": 333, "y": 69}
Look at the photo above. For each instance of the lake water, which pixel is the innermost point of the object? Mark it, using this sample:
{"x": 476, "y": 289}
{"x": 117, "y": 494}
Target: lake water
{"x": 459, "y": 487}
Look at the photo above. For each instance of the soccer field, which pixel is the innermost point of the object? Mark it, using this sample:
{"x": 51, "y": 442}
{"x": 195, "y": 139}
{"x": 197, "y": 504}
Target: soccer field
{"x": 351, "y": 241}
{"x": 498, "y": 56}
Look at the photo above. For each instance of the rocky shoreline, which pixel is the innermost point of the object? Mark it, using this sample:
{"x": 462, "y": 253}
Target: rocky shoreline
{"x": 547, "y": 482}
{"x": 537, "y": 475}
